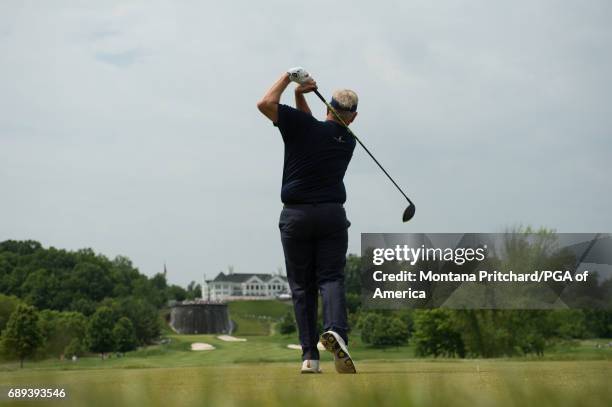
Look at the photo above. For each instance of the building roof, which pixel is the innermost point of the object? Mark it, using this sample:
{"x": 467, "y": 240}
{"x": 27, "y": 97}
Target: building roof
{"x": 242, "y": 277}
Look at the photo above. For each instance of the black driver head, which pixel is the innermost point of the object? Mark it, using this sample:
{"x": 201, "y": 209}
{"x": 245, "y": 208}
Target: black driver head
{"x": 408, "y": 213}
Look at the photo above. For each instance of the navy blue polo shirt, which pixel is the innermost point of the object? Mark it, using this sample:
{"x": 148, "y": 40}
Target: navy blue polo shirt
{"x": 317, "y": 154}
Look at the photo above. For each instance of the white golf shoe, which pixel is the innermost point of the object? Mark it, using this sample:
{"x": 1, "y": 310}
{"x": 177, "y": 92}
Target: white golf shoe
{"x": 310, "y": 366}
{"x": 335, "y": 344}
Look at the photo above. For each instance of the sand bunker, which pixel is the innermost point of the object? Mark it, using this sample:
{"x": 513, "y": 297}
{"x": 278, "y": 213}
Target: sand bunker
{"x": 298, "y": 347}
{"x": 201, "y": 346}
{"x": 228, "y": 338}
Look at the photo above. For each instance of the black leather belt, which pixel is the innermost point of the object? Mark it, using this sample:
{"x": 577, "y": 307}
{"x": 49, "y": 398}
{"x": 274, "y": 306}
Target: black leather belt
{"x": 311, "y": 204}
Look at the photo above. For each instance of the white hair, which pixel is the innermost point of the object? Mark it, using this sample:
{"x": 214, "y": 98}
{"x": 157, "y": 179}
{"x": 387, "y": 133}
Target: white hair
{"x": 346, "y": 98}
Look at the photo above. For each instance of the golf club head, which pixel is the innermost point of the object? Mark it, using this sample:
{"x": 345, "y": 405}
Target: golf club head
{"x": 409, "y": 213}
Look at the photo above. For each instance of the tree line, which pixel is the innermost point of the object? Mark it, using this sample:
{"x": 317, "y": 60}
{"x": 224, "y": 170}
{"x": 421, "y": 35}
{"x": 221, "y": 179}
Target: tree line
{"x": 58, "y": 302}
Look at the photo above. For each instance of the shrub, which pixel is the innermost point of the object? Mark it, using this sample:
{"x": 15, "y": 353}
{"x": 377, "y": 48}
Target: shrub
{"x": 59, "y": 329}
{"x": 382, "y": 330}
{"x": 100, "y": 331}
{"x": 76, "y": 347}
{"x": 124, "y": 336}
{"x": 287, "y": 324}
{"x": 435, "y": 334}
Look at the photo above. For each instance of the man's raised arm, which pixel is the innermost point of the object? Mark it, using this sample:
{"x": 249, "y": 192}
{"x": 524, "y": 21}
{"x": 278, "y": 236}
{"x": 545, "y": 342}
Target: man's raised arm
{"x": 268, "y": 105}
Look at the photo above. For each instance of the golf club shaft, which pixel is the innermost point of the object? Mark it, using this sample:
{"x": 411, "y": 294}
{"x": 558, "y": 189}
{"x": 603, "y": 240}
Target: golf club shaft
{"x": 335, "y": 113}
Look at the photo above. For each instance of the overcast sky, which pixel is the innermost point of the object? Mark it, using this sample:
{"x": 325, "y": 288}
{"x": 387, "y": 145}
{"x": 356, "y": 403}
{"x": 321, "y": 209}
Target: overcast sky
{"x": 130, "y": 127}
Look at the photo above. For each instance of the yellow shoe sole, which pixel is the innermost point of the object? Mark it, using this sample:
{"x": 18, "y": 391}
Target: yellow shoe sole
{"x": 342, "y": 360}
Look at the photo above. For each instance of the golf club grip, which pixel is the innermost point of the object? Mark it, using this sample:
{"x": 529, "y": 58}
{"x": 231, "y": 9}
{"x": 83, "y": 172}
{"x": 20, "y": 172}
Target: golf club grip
{"x": 331, "y": 108}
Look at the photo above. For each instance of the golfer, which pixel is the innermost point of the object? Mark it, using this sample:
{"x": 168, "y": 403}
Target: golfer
{"x": 313, "y": 224}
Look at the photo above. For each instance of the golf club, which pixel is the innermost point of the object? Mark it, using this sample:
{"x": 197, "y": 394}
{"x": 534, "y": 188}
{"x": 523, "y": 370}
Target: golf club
{"x": 409, "y": 212}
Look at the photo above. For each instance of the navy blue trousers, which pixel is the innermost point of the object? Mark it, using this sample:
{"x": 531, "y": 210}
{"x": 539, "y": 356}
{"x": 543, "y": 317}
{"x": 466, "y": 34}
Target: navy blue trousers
{"x": 315, "y": 241}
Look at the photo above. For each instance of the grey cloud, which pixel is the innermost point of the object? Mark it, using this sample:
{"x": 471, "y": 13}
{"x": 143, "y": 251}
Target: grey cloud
{"x": 120, "y": 59}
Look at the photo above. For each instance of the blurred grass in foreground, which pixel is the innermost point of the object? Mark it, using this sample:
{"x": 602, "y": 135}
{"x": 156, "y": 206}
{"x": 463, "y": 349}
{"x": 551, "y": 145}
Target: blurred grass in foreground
{"x": 444, "y": 383}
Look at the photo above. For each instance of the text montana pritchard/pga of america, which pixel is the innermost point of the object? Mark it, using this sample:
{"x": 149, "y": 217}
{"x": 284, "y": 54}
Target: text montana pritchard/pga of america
{"x": 481, "y": 276}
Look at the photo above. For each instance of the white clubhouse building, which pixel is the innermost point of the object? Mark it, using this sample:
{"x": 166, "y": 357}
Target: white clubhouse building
{"x": 244, "y": 286}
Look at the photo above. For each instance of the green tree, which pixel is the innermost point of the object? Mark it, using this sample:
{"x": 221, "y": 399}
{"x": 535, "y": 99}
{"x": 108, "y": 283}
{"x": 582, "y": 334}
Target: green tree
{"x": 382, "y": 330}
{"x": 25, "y": 247}
{"x": 40, "y": 289}
{"x": 123, "y": 274}
{"x": 407, "y": 315}
{"x": 144, "y": 288}
{"x": 90, "y": 281}
{"x": 22, "y": 335}
{"x": 60, "y": 329}
{"x": 175, "y": 292}
{"x": 13, "y": 282}
{"x": 353, "y": 302}
{"x": 565, "y": 324}
{"x": 194, "y": 291}
{"x": 83, "y": 305}
{"x": 287, "y": 324}
{"x": 352, "y": 274}
{"x": 8, "y": 304}
{"x": 197, "y": 291}
{"x": 51, "y": 278}
{"x": 144, "y": 317}
{"x": 159, "y": 281}
{"x": 435, "y": 334}
{"x": 100, "y": 331}
{"x": 76, "y": 347}
{"x": 598, "y": 322}
{"x": 124, "y": 336}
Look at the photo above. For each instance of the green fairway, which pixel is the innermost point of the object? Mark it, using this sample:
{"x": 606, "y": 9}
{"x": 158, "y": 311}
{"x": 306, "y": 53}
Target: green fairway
{"x": 268, "y": 349}
{"x": 257, "y": 349}
{"x": 258, "y": 316}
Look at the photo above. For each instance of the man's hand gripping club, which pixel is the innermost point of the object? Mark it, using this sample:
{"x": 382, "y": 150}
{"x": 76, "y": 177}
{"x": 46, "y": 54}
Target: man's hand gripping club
{"x": 268, "y": 105}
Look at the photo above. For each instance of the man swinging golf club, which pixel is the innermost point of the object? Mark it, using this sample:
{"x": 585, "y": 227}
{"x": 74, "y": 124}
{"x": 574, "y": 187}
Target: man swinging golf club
{"x": 313, "y": 223}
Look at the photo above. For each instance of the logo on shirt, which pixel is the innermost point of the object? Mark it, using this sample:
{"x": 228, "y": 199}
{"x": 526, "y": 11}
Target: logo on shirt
{"x": 340, "y": 139}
